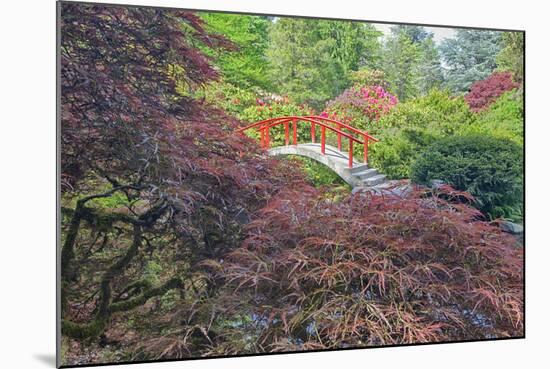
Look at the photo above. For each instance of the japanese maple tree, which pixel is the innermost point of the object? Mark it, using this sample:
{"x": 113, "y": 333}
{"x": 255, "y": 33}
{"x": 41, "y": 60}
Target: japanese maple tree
{"x": 484, "y": 93}
{"x": 373, "y": 269}
{"x": 148, "y": 173}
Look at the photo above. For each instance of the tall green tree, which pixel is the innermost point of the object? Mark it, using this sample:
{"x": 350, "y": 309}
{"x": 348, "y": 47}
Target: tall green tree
{"x": 401, "y": 63}
{"x": 423, "y": 72}
{"x": 416, "y": 34}
{"x": 469, "y": 57}
{"x": 298, "y": 63}
{"x": 510, "y": 57}
{"x": 430, "y": 68}
{"x": 310, "y": 59}
{"x": 246, "y": 66}
{"x": 353, "y": 44}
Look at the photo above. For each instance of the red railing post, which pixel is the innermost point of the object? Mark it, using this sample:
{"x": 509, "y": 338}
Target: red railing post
{"x": 312, "y": 132}
{"x": 323, "y": 140}
{"x": 286, "y": 133}
{"x": 267, "y": 137}
{"x": 262, "y": 137}
{"x": 350, "y": 154}
{"x": 339, "y": 138}
{"x": 366, "y": 150}
{"x": 294, "y": 131}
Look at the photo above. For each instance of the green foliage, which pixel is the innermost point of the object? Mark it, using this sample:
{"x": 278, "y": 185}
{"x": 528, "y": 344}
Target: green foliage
{"x": 395, "y": 154}
{"x": 504, "y": 119}
{"x": 116, "y": 200}
{"x": 368, "y": 77}
{"x": 279, "y": 108}
{"x": 151, "y": 273}
{"x": 169, "y": 300}
{"x": 413, "y": 60}
{"x": 352, "y": 44}
{"x": 430, "y": 73}
{"x": 275, "y": 108}
{"x": 318, "y": 174}
{"x": 510, "y": 57}
{"x": 228, "y": 97}
{"x": 245, "y": 67}
{"x": 412, "y": 125}
{"x": 470, "y": 56}
{"x": 416, "y": 34}
{"x": 489, "y": 168}
{"x": 401, "y": 61}
{"x": 438, "y": 111}
{"x": 309, "y": 59}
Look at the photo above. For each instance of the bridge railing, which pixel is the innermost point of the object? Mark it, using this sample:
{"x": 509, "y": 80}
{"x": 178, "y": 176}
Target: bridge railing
{"x": 353, "y": 134}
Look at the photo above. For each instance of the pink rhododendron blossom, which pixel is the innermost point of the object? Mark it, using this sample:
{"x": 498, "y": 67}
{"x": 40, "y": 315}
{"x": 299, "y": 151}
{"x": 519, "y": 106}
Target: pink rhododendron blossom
{"x": 369, "y": 102}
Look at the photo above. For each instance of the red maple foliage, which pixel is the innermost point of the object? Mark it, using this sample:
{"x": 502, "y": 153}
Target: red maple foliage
{"x": 484, "y": 93}
{"x": 374, "y": 270}
{"x": 181, "y": 184}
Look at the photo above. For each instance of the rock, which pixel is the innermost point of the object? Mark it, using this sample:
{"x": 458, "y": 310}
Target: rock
{"x": 436, "y": 183}
{"x": 512, "y": 228}
{"x": 358, "y": 189}
{"x": 393, "y": 188}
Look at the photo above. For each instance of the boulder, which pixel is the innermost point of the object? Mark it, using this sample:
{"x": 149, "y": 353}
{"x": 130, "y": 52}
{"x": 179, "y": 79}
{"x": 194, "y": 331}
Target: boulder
{"x": 512, "y": 228}
{"x": 436, "y": 183}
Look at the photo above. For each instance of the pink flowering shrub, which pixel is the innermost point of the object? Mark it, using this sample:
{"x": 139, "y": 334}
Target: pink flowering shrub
{"x": 484, "y": 93}
{"x": 361, "y": 105}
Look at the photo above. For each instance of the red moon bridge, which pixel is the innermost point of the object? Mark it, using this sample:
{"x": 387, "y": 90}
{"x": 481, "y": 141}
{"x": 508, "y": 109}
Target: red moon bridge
{"x": 332, "y": 154}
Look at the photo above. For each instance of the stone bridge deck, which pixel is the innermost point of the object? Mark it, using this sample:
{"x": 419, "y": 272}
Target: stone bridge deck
{"x": 360, "y": 175}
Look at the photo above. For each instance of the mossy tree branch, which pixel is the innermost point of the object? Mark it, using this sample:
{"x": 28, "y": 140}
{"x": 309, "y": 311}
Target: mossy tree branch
{"x": 82, "y": 212}
{"x": 106, "y": 306}
{"x": 98, "y": 324}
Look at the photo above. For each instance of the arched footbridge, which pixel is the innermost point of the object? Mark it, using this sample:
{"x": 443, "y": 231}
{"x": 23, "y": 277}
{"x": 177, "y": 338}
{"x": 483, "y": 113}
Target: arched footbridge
{"x": 322, "y": 129}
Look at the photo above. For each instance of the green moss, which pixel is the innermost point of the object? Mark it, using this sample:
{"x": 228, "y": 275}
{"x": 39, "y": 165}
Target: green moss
{"x": 151, "y": 273}
{"x": 169, "y": 300}
{"x": 80, "y": 331}
{"x": 116, "y": 200}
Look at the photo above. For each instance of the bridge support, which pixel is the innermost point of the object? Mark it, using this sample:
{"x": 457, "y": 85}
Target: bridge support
{"x": 359, "y": 175}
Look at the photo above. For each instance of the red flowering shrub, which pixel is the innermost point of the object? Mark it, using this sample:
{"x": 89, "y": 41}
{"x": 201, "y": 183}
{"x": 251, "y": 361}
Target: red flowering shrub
{"x": 371, "y": 270}
{"x": 484, "y": 93}
{"x": 360, "y": 105}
